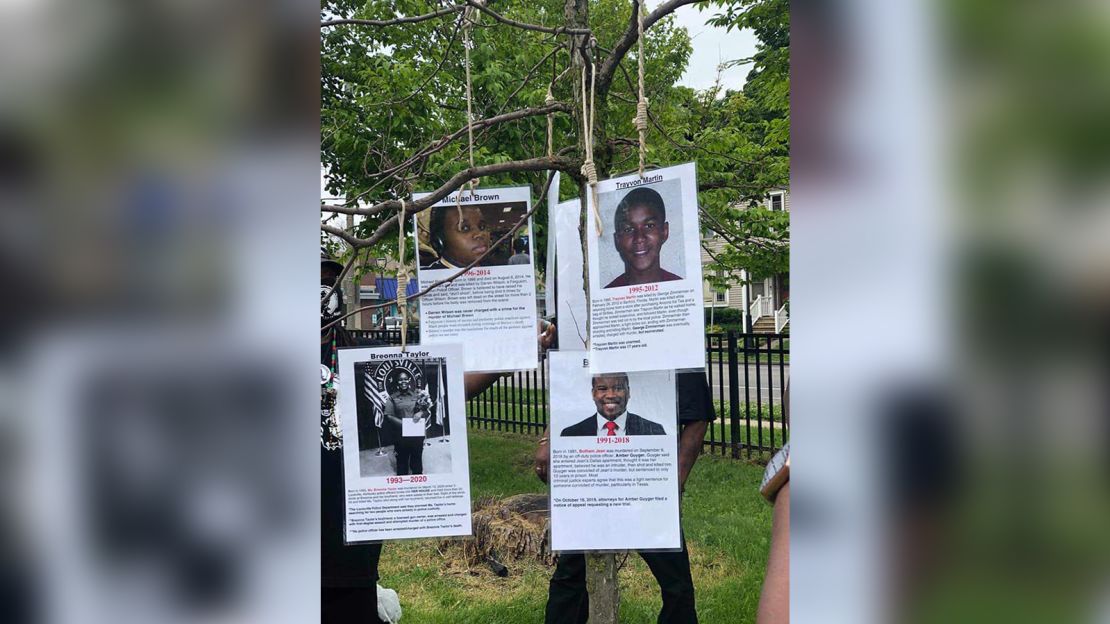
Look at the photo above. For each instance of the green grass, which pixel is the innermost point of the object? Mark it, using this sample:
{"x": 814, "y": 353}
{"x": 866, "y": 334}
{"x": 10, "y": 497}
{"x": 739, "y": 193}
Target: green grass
{"x": 727, "y": 529}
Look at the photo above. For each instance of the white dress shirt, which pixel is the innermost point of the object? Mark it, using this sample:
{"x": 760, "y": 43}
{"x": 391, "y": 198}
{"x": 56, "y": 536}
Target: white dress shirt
{"x": 602, "y": 431}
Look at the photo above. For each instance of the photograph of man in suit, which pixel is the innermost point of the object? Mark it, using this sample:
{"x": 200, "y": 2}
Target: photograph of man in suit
{"x": 611, "y": 394}
{"x": 641, "y": 229}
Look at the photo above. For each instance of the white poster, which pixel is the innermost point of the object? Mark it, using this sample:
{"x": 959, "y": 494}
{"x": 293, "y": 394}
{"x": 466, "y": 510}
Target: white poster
{"x": 549, "y": 270}
{"x": 492, "y": 307}
{"x": 404, "y": 459}
{"x": 571, "y": 313}
{"x": 645, "y": 273}
{"x": 614, "y": 458}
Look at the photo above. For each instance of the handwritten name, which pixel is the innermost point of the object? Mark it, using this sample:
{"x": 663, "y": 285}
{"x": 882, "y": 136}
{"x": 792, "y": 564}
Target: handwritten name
{"x": 637, "y": 182}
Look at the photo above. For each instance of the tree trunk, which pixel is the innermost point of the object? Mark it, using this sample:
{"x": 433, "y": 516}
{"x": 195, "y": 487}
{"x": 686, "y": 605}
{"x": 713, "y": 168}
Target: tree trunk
{"x": 601, "y": 583}
{"x": 601, "y": 570}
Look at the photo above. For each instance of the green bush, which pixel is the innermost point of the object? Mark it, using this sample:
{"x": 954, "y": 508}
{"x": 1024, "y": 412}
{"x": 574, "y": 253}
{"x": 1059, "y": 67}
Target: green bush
{"x": 724, "y": 316}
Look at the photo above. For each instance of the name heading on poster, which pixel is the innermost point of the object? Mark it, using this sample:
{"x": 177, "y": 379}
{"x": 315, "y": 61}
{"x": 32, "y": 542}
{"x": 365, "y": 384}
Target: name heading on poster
{"x": 475, "y": 197}
{"x": 391, "y": 356}
{"x": 644, "y": 180}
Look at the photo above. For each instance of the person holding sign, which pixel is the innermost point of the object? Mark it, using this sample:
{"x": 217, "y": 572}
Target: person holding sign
{"x": 458, "y": 243}
{"x": 641, "y": 229}
{"x": 408, "y": 411}
{"x": 611, "y": 396}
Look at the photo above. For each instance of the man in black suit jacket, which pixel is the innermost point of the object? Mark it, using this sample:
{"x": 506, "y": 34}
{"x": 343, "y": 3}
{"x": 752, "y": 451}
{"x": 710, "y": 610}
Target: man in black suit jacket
{"x": 611, "y": 394}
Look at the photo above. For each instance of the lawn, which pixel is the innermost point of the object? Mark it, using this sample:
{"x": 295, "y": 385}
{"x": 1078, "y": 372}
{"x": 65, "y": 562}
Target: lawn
{"x": 727, "y": 528}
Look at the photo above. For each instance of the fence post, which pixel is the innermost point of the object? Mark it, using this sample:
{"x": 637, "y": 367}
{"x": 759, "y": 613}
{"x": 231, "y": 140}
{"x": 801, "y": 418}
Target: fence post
{"x": 733, "y": 395}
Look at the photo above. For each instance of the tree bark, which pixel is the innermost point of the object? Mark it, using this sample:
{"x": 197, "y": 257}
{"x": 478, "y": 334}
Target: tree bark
{"x": 601, "y": 570}
{"x": 601, "y": 583}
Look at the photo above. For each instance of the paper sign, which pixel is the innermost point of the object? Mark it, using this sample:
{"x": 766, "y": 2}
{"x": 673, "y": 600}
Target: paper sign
{"x": 571, "y": 319}
{"x": 492, "y": 307}
{"x": 614, "y": 458}
{"x": 397, "y": 486}
{"x": 646, "y": 307}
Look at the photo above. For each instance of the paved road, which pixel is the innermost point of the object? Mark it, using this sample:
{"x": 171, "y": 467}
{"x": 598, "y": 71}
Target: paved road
{"x": 769, "y": 389}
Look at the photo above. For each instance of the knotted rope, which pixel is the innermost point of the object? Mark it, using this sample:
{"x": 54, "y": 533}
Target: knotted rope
{"x": 589, "y": 170}
{"x": 467, "y": 44}
{"x": 402, "y": 279}
{"x": 549, "y": 100}
{"x": 641, "y": 118}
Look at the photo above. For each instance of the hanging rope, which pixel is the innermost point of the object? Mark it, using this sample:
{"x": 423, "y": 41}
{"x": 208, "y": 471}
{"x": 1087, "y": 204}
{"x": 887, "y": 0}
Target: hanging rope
{"x": 641, "y": 119}
{"x": 549, "y": 100}
{"x": 589, "y": 170}
{"x": 402, "y": 279}
{"x": 467, "y": 25}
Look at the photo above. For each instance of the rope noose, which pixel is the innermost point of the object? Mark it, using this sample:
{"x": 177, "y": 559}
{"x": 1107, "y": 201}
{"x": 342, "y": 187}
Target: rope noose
{"x": 589, "y": 170}
{"x": 641, "y": 118}
{"x": 473, "y": 183}
{"x": 402, "y": 279}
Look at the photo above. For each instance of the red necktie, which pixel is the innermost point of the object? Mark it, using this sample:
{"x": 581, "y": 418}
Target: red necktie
{"x": 610, "y": 428}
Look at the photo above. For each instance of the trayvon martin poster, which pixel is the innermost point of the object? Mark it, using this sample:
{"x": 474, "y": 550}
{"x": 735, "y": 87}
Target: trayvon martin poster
{"x": 645, "y": 273}
{"x": 404, "y": 442}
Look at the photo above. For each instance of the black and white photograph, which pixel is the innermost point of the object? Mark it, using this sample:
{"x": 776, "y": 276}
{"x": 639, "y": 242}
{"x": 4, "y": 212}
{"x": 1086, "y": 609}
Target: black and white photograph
{"x": 643, "y": 241}
{"x": 645, "y": 273}
{"x": 395, "y": 408}
{"x": 614, "y": 458}
{"x": 403, "y": 417}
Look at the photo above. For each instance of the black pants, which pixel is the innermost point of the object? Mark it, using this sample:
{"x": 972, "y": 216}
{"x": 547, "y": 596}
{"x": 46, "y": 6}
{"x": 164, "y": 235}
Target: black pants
{"x": 568, "y": 602}
{"x": 410, "y": 456}
{"x": 354, "y": 605}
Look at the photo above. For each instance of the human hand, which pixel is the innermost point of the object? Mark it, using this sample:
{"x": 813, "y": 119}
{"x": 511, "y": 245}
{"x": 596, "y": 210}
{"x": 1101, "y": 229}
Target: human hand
{"x": 546, "y": 336}
{"x": 542, "y": 459}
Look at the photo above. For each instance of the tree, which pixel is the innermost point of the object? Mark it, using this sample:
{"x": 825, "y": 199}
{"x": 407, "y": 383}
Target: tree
{"x": 408, "y": 105}
{"x": 393, "y": 108}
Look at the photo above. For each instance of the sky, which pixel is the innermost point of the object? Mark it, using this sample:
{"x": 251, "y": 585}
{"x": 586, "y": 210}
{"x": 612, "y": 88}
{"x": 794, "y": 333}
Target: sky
{"x": 712, "y": 45}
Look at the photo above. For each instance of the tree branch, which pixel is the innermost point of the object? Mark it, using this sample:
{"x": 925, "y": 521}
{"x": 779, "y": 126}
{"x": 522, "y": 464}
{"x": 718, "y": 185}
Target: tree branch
{"x": 393, "y": 22}
{"x": 516, "y": 226}
{"x": 412, "y": 207}
{"x": 428, "y": 80}
{"x": 436, "y": 146}
{"x": 511, "y": 22}
{"x": 609, "y": 65}
{"x": 342, "y": 234}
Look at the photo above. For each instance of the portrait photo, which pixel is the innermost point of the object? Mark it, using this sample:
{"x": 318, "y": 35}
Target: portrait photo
{"x": 609, "y": 404}
{"x": 403, "y": 417}
{"x": 451, "y": 237}
{"x": 644, "y": 235}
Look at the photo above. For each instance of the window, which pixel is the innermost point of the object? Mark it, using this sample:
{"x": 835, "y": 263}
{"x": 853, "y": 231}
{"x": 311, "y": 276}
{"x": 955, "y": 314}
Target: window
{"x": 778, "y": 201}
{"x": 720, "y": 295}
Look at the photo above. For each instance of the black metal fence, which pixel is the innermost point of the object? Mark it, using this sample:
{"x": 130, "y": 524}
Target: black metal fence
{"x": 746, "y": 375}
